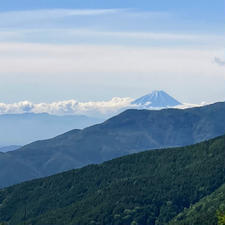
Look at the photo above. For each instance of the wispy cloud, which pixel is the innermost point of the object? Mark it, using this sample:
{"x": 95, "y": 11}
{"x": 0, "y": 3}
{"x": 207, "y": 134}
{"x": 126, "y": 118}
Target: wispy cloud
{"x": 219, "y": 61}
{"x": 96, "y": 26}
{"x": 60, "y": 13}
{"x": 55, "y": 18}
{"x": 56, "y": 59}
{"x": 95, "y": 36}
{"x": 55, "y": 13}
{"x": 149, "y": 35}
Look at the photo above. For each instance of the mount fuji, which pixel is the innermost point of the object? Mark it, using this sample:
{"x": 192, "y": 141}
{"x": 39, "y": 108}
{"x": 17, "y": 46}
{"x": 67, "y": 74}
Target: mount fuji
{"x": 156, "y": 99}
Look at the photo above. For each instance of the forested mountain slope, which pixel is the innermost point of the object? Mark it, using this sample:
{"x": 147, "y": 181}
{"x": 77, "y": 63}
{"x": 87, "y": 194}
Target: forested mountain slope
{"x": 205, "y": 211}
{"x": 146, "y": 188}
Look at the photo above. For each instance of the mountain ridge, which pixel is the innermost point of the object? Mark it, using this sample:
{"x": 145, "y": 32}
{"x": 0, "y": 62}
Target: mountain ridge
{"x": 129, "y": 132}
{"x": 9, "y": 148}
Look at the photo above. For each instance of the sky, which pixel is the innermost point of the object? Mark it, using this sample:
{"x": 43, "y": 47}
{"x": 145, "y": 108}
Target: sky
{"x": 95, "y": 50}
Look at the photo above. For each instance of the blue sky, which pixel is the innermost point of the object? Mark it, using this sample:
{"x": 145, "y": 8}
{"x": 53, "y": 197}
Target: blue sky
{"x": 200, "y": 7}
{"x": 96, "y": 50}
{"x": 201, "y": 14}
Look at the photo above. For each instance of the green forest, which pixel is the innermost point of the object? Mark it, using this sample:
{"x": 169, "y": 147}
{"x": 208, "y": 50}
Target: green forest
{"x": 173, "y": 186}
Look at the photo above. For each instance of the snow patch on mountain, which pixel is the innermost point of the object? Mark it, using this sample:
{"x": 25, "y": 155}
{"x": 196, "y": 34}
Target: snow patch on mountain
{"x": 156, "y": 99}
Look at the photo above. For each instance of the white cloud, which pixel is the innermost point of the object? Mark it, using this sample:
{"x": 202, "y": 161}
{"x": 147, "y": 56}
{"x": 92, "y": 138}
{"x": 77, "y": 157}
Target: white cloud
{"x": 73, "y": 107}
{"x": 189, "y": 105}
{"x": 100, "y": 108}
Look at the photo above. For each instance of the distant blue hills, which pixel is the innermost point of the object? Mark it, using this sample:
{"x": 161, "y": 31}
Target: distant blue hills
{"x": 21, "y": 129}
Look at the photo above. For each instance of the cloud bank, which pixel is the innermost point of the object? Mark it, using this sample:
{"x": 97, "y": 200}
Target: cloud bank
{"x": 101, "y": 109}
{"x": 69, "y": 107}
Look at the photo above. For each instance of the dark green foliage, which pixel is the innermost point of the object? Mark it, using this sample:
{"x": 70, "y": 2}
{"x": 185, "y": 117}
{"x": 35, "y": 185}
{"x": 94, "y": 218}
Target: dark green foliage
{"x": 129, "y": 132}
{"x": 146, "y": 188}
{"x": 204, "y": 212}
{"x": 221, "y": 215}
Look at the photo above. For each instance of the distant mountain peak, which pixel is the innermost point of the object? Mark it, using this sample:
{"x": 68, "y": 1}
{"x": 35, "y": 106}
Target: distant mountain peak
{"x": 157, "y": 99}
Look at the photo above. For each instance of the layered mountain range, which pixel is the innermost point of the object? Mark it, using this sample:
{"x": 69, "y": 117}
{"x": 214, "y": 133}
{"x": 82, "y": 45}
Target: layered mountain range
{"x": 129, "y": 132}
